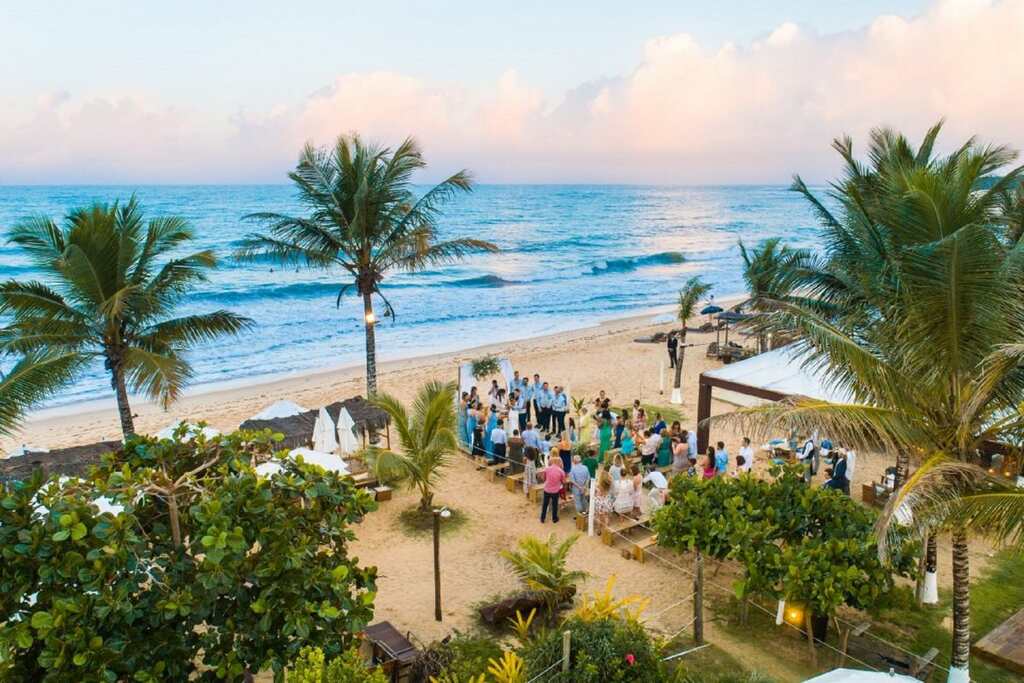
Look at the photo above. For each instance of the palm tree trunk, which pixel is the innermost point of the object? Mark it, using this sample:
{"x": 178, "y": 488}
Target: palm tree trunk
{"x": 929, "y": 593}
{"x": 124, "y": 410}
{"x": 902, "y": 467}
{"x": 371, "y": 345}
{"x": 961, "y": 656}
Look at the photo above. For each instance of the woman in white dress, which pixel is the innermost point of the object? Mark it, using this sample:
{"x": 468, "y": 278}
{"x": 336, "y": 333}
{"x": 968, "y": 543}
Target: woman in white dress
{"x": 624, "y": 502}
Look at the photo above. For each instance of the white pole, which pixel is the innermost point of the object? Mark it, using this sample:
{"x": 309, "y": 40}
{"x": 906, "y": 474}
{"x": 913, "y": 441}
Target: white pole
{"x": 591, "y": 507}
{"x": 661, "y": 377}
{"x": 780, "y": 613}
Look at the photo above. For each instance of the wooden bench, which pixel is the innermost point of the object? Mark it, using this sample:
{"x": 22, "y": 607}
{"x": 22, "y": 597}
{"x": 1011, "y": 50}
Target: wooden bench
{"x": 642, "y": 545}
{"x": 364, "y": 480}
{"x": 493, "y": 470}
{"x": 627, "y": 524}
{"x": 514, "y": 482}
{"x": 537, "y": 492}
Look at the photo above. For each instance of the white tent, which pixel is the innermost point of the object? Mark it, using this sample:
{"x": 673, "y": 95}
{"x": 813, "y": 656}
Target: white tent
{"x": 279, "y": 409}
{"x": 858, "y": 676}
{"x": 328, "y": 461}
{"x": 324, "y": 439}
{"x": 780, "y": 371}
{"x": 191, "y": 431}
{"x": 347, "y": 442}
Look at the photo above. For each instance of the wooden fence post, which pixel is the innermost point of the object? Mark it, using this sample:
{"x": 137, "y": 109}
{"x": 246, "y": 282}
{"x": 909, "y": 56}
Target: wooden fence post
{"x": 698, "y": 600}
{"x": 566, "y": 649}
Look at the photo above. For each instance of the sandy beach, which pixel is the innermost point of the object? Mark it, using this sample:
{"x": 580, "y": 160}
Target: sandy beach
{"x": 587, "y": 360}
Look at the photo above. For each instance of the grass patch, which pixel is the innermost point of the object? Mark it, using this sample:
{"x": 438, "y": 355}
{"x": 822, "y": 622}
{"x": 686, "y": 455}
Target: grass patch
{"x": 416, "y": 522}
{"x": 710, "y": 665}
{"x": 995, "y": 596}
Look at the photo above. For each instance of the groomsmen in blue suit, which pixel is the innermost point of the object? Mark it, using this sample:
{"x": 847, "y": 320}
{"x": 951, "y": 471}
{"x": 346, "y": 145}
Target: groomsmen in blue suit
{"x": 527, "y": 394}
{"x": 559, "y": 407}
{"x": 544, "y": 400}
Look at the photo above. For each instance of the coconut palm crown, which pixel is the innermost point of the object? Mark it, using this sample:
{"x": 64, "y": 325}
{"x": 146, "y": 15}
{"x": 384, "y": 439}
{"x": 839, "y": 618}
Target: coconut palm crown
{"x": 110, "y": 290}
{"x": 364, "y": 218}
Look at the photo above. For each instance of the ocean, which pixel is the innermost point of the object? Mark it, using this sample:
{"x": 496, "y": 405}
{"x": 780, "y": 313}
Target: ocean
{"x": 571, "y": 256}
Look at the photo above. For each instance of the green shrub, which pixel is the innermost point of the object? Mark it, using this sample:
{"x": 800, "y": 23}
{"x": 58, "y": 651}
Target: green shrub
{"x": 348, "y": 667}
{"x": 605, "y": 650}
{"x": 462, "y": 657}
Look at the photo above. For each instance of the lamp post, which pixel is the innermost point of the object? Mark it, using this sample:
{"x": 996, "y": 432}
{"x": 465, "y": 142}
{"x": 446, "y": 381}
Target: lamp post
{"x": 439, "y": 514}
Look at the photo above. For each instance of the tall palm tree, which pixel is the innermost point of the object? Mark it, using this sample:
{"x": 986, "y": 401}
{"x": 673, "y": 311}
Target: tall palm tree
{"x": 771, "y": 271}
{"x": 364, "y": 218}
{"x": 690, "y": 295}
{"x": 426, "y": 437}
{"x": 108, "y": 297}
{"x": 910, "y": 309}
{"x": 34, "y": 377}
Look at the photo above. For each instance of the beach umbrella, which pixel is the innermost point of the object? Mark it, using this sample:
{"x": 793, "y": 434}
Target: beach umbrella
{"x": 347, "y": 442}
{"x": 279, "y": 409}
{"x": 191, "y": 431}
{"x": 323, "y": 433}
{"x": 328, "y": 461}
{"x": 711, "y": 309}
{"x": 858, "y": 676}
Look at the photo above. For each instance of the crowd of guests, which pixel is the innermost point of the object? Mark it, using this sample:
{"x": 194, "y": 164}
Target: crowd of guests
{"x": 526, "y": 425}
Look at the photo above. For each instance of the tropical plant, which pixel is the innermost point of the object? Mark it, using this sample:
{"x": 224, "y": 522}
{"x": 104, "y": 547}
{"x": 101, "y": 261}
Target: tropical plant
{"x": 522, "y": 627}
{"x": 541, "y": 566}
{"x": 426, "y": 438}
{"x": 364, "y": 218}
{"x": 348, "y": 667}
{"x": 689, "y": 296}
{"x": 914, "y": 309}
{"x": 771, "y": 271}
{"x": 509, "y": 669}
{"x": 34, "y": 377}
{"x": 108, "y": 297}
{"x": 460, "y": 658}
{"x": 605, "y": 605}
{"x": 485, "y": 367}
{"x": 207, "y": 571}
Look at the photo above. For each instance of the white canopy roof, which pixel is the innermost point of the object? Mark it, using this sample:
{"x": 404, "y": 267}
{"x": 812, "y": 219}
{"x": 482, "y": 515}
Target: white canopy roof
{"x": 781, "y": 371}
{"x": 328, "y": 461}
{"x": 191, "y": 431}
{"x": 279, "y": 409}
{"x": 858, "y": 676}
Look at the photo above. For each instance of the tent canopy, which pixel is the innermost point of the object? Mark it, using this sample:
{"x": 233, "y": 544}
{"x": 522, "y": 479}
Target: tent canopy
{"x": 770, "y": 376}
{"x": 858, "y": 676}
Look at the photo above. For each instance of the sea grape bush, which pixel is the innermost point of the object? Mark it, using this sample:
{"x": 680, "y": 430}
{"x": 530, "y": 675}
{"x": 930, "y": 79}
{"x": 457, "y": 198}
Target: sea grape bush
{"x": 208, "y": 571}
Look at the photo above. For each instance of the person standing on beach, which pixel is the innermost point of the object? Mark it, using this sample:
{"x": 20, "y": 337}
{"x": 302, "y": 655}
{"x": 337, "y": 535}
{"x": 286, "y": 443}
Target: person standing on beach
{"x": 536, "y": 400}
{"x": 499, "y": 439}
{"x": 531, "y": 438}
{"x": 721, "y": 458}
{"x": 516, "y": 384}
{"x": 514, "y": 450}
{"x": 579, "y": 480}
{"x": 747, "y": 451}
{"x": 673, "y": 349}
{"x": 559, "y": 407}
{"x": 526, "y": 393}
{"x": 545, "y": 401}
{"x": 518, "y": 409}
{"x": 554, "y": 479}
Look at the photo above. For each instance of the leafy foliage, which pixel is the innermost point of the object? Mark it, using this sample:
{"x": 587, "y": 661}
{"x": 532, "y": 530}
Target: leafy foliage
{"x": 541, "y": 566}
{"x": 209, "y": 570}
{"x": 348, "y": 667}
{"x": 814, "y": 545}
{"x": 426, "y": 437}
{"x": 107, "y": 297}
{"x": 485, "y": 367}
{"x": 458, "y": 659}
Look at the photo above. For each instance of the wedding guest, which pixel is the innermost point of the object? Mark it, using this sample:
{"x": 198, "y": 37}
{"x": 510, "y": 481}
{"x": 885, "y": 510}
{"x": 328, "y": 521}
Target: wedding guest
{"x": 680, "y": 455}
{"x": 574, "y": 435}
{"x": 554, "y": 479}
{"x": 747, "y": 453}
{"x": 559, "y": 407}
{"x": 565, "y": 452}
{"x": 628, "y": 446}
{"x": 659, "y": 424}
{"x": 499, "y": 442}
{"x": 492, "y": 393}
{"x": 537, "y": 387}
{"x": 639, "y": 420}
{"x": 579, "y": 480}
{"x": 516, "y": 384}
{"x": 673, "y": 349}
{"x": 709, "y": 469}
{"x": 544, "y": 402}
{"x": 721, "y": 458}
{"x": 649, "y": 449}
{"x": 526, "y": 393}
{"x": 621, "y": 427}
{"x": 515, "y": 450}
{"x": 605, "y": 443}
{"x": 602, "y": 501}
{"x": 691, "y": 440}
{"x": 531, "y": 437}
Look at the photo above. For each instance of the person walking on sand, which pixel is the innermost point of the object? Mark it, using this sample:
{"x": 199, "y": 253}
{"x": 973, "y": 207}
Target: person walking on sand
{"x": 554, "y": 479}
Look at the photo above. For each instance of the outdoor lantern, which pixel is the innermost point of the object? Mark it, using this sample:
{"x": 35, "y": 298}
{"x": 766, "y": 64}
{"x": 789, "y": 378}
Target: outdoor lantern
{"x": 795, "y": 615}
{"x": 997, "y": 463}
{"x": 370, "y": 318}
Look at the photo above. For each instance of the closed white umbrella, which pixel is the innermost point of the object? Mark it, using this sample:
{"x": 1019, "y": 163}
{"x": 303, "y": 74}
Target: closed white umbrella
{"x": 347, "y": 442}
{"x": 324, "y": 439}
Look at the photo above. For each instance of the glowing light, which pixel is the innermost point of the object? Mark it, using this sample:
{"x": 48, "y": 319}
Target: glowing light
{"x": 370, "y": 318}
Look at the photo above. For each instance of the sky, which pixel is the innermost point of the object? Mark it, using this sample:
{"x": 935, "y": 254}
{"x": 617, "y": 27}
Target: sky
{"x": 534, "y": 92}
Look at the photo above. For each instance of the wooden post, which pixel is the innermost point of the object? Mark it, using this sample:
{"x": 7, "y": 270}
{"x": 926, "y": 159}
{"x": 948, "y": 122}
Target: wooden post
{"x": 844, "y": 641}
{"x": 810, "y": 637}
{"x": 437, "y": 565}
{"x": 566, "y": 649}
{"x": 698, "y": 600}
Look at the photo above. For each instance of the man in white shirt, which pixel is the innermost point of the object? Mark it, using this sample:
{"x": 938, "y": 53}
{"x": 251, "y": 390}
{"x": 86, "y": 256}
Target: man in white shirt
{"x": 748, "y": 455}
{"x": 649, "y": 449}
{"x": 531, "y": 437}
{"x": 499, "y": 439}
{"x": 806, "y": 456}
{"x": 851, "y": 461}
{"x": 691, "y": 441}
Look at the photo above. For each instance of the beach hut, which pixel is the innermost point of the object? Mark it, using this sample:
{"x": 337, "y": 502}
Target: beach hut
{"x": 324, "y": 433}
{"x": 279, "y": 409}
{"x": 296, "y": 427}
{"x": 366, "y": 418}
{"x": 70, "y": 462}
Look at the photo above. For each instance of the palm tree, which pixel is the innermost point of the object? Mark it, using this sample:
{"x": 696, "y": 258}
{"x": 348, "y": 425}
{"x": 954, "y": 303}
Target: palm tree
{"x": 109, "y": 299}
{"x": 690, "y": 295}
{"x": 771, "y": 271}
{"x": 33, "y": 378}
{"x": 912, "y": 308}
{"x": 426, "y": 437}
{"x": 364, "y": 218}
{"x": 541, "y": 565}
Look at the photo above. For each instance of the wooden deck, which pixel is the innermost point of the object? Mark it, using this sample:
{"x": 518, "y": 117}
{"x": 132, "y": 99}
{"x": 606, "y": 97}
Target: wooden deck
{"x": 1004, "y": 645}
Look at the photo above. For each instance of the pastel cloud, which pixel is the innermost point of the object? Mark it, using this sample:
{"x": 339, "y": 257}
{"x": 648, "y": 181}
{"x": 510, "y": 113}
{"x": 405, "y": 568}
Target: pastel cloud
{"x": 686, "y": 113}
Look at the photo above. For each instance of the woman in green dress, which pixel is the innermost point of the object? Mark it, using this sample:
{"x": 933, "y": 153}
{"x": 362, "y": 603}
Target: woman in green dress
{"x": 605, "y": 438}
